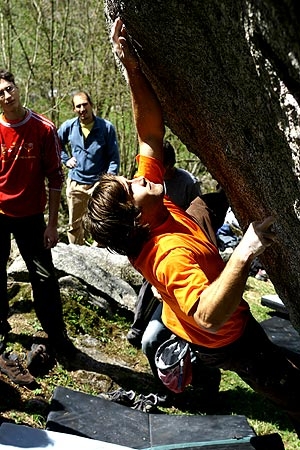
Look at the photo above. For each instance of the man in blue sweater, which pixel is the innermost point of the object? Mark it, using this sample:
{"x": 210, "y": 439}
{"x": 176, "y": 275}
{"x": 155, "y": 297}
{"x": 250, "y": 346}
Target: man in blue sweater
{"x": 93, "y": 151}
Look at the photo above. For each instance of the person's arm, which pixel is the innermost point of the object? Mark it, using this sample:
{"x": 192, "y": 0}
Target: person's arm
{"x": 147, "y": 110}
{"x": 192, "y": 191}
{"x": 63, "y": 133}
{"x": 113, "y": 150}
{"x": 219, "y": 300}
{"x": 195, "y": 189}
{"x": 51, "y": 233}
{"x": 54, "y": 173}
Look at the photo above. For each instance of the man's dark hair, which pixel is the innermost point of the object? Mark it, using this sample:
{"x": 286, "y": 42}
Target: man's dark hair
{"x": 169, "y": 158}
{"x": 88, "y": 97}
{"x": 112, "y": 218}
{"x": 7, "y": 76}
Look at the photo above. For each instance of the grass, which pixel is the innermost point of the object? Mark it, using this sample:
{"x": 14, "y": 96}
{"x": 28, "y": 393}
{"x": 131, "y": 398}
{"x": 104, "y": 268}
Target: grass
{"x": 107, "y": 337}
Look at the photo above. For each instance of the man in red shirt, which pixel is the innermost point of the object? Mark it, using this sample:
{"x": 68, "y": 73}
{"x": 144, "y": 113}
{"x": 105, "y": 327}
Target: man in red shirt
{"x": 202, "y": 298}
{"x": 30, "y": 154}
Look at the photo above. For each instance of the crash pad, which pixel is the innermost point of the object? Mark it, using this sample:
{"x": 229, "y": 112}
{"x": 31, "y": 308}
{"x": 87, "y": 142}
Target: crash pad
{"x": 273, "y": 301}
{"x": 97, "y": 418}
{"x": 15, "y": 437}
{"x": 282, "y": 333}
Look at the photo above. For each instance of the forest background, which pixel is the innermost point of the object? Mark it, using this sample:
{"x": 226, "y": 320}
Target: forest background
{"x": 57, "y": 47}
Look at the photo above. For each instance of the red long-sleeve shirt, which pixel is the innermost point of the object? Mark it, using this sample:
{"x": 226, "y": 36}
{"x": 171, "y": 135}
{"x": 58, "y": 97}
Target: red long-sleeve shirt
{"x": 30, "y": 154}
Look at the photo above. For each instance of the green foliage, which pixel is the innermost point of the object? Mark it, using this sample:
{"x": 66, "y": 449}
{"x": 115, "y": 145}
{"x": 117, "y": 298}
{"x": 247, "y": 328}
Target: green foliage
{"x": 255, "y": 289}
{"x": 84, "y": 317}
{"x": 55, "y": 48}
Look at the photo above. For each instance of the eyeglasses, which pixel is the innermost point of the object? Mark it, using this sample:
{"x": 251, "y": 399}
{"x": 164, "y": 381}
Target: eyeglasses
{"x": 9, "y": 89}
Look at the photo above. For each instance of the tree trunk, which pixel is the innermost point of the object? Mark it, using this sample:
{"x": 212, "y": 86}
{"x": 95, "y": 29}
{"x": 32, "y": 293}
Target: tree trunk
{"x": 227, "y": 75}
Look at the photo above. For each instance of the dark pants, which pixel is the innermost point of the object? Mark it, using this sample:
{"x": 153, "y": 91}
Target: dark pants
{"x": 29, "y": 234}
{"x": 265, "y": 367}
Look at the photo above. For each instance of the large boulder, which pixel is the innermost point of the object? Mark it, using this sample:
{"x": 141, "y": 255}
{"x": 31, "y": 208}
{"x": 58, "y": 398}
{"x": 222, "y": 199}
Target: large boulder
{"x": 105, "y": 279}
{"x": 227, "y": 76}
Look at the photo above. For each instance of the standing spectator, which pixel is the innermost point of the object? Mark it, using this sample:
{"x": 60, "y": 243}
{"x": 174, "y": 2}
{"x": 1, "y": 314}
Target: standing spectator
{"x": 94, "y": 151}
{"x": 30, "y": 153}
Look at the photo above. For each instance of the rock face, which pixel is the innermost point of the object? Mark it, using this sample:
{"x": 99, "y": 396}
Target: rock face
{"x": 107, "y": 280}
{"x": 230, "y": 90}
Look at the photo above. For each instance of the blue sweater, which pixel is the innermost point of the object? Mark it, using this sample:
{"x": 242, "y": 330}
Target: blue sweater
{"x": 95, "y": 155}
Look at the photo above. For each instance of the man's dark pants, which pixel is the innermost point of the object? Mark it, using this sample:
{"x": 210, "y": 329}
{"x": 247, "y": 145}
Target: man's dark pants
{"x": 29, "y": 234}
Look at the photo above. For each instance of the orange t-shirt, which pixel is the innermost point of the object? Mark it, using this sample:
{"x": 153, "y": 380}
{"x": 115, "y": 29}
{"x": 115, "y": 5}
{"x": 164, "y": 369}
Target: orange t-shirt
{"x": 181, "y": 262}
